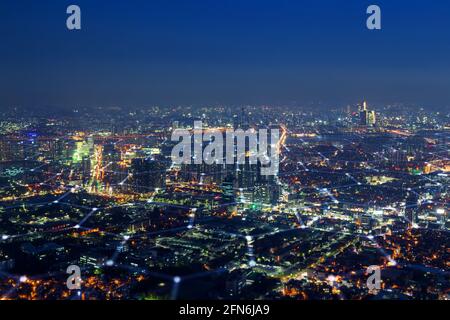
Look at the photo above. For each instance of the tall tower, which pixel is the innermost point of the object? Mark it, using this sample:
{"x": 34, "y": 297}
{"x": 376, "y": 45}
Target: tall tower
{"x": 367, "y": 117}
{"x": 411, "y": 209}
{"x": 364, "y": 114}
{"x": 372, "y": 119}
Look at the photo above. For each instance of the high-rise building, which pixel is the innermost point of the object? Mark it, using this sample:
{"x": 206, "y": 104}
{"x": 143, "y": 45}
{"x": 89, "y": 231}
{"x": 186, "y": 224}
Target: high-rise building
{"x": 85, "y": 169}
{"x": 371, "y": 121}
{"x": 411, "y": 209}
{"x": 367, "y": 117}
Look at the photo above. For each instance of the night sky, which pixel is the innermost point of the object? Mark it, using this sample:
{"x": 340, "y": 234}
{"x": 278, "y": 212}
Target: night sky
{"x": 147, "y": 52}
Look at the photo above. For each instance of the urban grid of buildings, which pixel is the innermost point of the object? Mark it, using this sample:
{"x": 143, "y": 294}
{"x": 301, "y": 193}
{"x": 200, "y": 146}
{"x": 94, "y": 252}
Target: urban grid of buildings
{"x": 357, "y": 186}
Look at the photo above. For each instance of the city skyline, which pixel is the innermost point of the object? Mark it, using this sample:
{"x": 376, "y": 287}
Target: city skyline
{"x": 356, "y": 192}
{"x": 243, "y": 153}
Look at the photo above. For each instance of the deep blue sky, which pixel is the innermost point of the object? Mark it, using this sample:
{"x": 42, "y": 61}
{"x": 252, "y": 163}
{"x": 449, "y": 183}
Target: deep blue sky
{"x": 145, "y": 52}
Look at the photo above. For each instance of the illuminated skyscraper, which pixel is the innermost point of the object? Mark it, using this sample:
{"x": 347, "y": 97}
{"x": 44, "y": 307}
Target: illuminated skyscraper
{"x": 371, "y": 118}
{"x": 367, "y": 117}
